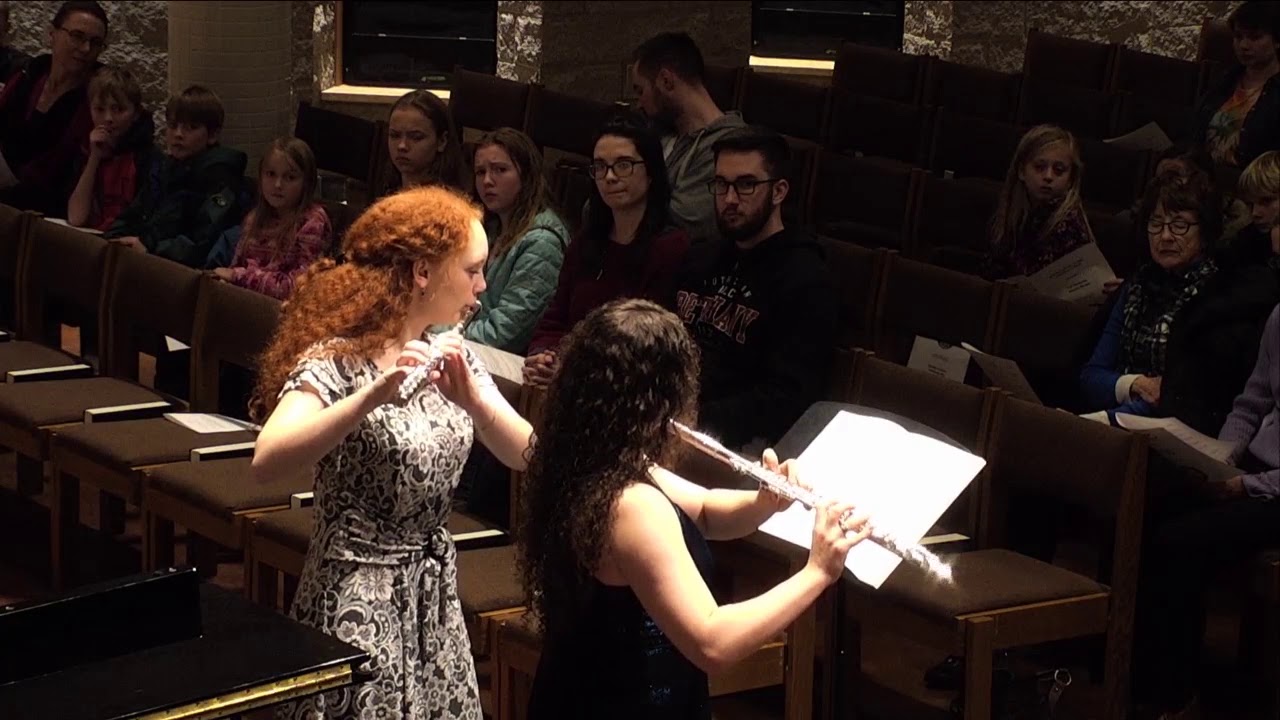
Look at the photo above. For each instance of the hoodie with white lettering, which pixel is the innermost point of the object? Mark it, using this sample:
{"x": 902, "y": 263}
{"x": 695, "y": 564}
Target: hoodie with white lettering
{"x": 764, "y": 319}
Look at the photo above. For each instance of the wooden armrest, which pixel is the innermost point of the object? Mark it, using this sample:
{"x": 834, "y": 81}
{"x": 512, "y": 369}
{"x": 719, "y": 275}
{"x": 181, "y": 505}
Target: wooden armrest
{"x": 58, "y": 372}
{"x": 223, "y": 452}
{"x": 947, "y": 543}
{"x": 302, "y": 500}
{"x": 480, "y": 539}
{"x": 136, "y": 411}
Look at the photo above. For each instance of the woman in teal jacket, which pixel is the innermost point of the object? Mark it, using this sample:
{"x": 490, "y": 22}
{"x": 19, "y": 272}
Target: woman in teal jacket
{"x": 527, "y": 240}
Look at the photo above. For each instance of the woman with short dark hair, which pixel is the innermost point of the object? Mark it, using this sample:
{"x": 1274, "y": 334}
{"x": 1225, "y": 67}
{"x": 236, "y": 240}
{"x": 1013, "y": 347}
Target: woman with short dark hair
{"x": 44, "y": 110}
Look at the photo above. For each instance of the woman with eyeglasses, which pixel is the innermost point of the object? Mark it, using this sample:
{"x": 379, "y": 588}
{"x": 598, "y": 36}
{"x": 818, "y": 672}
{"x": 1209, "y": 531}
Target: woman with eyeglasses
{"x": 44, "y": 111}
{"x": 1182, "y": 333}
{"x": 628, "y": 246}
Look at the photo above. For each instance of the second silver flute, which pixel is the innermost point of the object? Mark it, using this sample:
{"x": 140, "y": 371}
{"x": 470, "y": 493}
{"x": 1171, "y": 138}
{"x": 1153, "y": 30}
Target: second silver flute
{"x": 914, "y": 553}
{"x": 435, "y": 360}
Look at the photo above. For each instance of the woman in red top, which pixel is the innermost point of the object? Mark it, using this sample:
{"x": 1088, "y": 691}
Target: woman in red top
{"x": 627, "y": 247}
{"x": 44, "y": 115}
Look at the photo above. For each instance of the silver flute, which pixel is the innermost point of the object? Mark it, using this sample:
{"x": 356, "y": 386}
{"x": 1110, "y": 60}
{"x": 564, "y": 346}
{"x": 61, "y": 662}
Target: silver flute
{"x": 912, "y": 552}
{"x": 435, "y": 360}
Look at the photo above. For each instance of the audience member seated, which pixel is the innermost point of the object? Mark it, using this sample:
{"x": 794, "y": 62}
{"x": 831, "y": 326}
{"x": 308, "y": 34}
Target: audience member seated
{"x": 628, "y": 246}
{"x": 1181, "y": 334}
{"x": 423, "y": 146}
{"x": 668, "y": 79}
{"x": 197, "y": 196}
{"x": 1040, "y": 217}
{"x": 1259, "y": 188}
{"x": 117, "y": 154}
{"x": 11, "y": 59}
{"x": 287, "y": 229}
{"x": 527, "y": 240}
{"x": 763, "y": 314}
{"x": 1192, "y": 537}
{"x": 1239, "y": 119}
{"x": 44, "y": 113}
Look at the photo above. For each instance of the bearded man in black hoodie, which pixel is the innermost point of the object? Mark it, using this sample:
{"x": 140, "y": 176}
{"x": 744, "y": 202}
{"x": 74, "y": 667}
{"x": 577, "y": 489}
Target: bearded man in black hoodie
{"x": 764, "y": 313}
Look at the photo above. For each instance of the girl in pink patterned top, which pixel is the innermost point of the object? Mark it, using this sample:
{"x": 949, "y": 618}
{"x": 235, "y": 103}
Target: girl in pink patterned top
{"x": 287, "y": 230}
{"x": 1040, "y": 216}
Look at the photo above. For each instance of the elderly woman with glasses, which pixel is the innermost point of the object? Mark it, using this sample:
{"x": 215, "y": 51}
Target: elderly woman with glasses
{"x": 44, "y": 111}
{"x": 1182, "y": 333}
{"x": 627, "y": 247}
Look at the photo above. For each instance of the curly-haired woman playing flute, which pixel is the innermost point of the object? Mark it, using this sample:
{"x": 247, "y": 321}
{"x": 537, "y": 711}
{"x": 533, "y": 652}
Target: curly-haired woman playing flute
{"x": 613, "y": 546}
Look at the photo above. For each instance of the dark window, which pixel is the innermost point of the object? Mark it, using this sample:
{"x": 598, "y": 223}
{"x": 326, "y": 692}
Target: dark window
{"x": 416, "y": 44}
{"x": 815, "y": 30}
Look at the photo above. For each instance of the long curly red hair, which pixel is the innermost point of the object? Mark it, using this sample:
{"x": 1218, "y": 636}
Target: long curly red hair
{"x": 362, "y": 303}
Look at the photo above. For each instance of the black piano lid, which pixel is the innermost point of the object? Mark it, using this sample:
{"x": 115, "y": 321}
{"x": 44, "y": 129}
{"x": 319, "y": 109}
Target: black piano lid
{"x": 243, "y": 646}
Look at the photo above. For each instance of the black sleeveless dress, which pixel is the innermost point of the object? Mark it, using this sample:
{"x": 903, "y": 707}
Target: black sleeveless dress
{"x": 616, "y": 664}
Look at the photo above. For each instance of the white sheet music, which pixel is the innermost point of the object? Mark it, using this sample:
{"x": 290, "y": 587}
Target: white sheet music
{"x": 1004, "y": 374}
{"x": 937, "y": 358}
{"x": 904, "y": 480}
{"x": 206, "y": 423}
{"x": 500, "y": 363}
{"x": 1077, "y": 276}
{"x": 1148, "y": 137}
{"x": 1217, "y": 449}
{"x": 7, "y": 178}
{"x": 60, "y": 221}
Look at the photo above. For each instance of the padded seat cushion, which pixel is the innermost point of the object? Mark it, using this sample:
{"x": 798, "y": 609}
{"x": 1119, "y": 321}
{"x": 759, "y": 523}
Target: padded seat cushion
{"x": 460, "y": 522}
{"x": 290, "y": 528}
{"x": 38, "y": 404}
{"x": 134, "y": 443}
{"x": 224, "y": 487}
{"x": 487, "y": 580}
{"x": 25, "y": 355}
{"x": 985, "y": 580}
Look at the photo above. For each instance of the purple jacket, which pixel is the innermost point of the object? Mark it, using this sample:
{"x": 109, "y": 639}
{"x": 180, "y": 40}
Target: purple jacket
{"x": 1254, "y": 422}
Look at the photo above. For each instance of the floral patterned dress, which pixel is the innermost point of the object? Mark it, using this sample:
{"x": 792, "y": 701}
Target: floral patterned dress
{"x": 380, "y": 571}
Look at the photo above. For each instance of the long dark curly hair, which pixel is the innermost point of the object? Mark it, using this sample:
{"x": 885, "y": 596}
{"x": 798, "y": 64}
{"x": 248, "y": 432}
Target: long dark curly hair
{"x": 626, "y": 368}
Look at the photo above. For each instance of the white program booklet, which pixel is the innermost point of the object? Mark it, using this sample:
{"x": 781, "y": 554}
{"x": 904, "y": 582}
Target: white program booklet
{"x": 939, "y": 358}
{"x": 205, "y": 423}
{"x": 1078, "y": 276}
{"x": 905, "y": 481}
{"x": 1214, "y": 448}
{"x": 1004, "y": 374}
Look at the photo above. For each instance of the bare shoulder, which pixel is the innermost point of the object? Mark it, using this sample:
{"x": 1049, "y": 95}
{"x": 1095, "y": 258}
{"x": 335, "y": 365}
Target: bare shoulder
{"x": 642, "y": 515}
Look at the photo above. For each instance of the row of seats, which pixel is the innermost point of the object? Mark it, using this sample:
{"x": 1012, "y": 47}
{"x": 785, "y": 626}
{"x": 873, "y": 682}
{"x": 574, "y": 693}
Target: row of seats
{"x": 889, "y": 300}
{"x": 878, "y": 203}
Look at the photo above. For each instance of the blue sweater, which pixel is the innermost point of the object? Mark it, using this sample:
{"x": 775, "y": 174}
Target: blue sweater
{"x": 1100, "y": 376}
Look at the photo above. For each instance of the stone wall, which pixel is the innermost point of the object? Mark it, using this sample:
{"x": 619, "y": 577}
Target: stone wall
{"x": 992, "y": 33}
{"x": 138, "y": 39}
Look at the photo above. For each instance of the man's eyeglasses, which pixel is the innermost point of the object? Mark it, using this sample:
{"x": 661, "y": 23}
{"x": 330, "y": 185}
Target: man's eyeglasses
{"x": 1177, "y": 227}
{"x": 742, "y": 186}
{"x": 79, "y": 39}
{"x": 621, "y": 169}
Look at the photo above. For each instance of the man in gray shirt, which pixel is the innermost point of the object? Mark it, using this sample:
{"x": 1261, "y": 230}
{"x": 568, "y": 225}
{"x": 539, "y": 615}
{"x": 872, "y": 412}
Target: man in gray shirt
{"x": 667, "y": 75}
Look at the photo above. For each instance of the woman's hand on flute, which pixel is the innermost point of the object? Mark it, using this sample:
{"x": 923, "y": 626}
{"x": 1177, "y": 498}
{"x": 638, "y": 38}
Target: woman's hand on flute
{"x": 386, "y": 387}
{"x": 455, "y": 380}
{"x": 769, "y": 500}
{"x": 834, "y": 536}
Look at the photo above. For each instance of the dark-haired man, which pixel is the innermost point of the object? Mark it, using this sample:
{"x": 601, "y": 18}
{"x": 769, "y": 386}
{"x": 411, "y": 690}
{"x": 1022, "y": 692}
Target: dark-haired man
{"x": 763, "y": 313}
{"x": 667, "y": 74}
